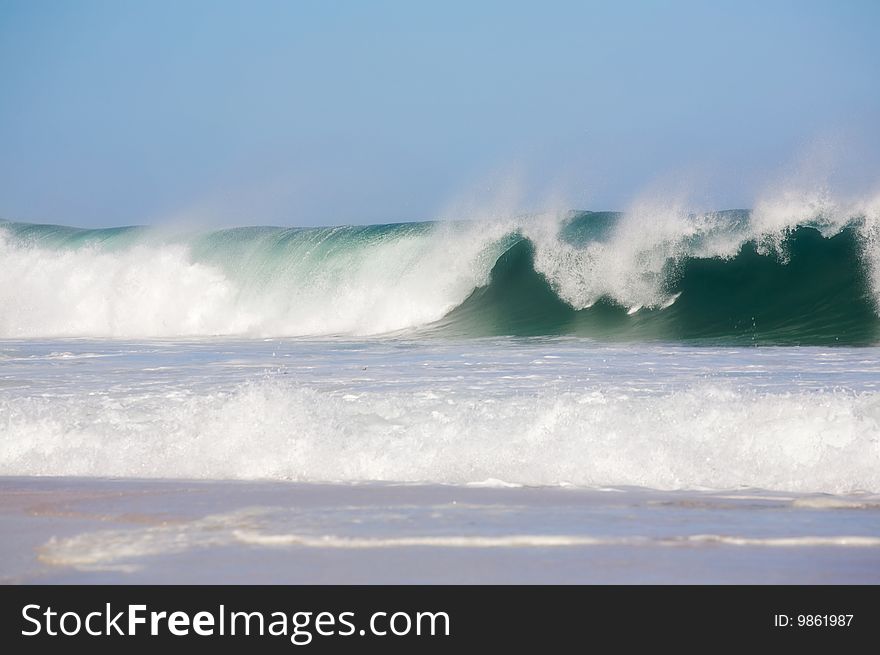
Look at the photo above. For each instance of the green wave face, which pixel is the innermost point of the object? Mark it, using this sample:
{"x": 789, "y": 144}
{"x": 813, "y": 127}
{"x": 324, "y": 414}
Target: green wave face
{"x": 718, "y": 278}
{"x": 817, "y": 295}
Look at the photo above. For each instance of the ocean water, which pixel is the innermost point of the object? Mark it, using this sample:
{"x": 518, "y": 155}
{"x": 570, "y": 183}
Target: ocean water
{"x": 716, "y": 351}
{"x": 518, "y": 411}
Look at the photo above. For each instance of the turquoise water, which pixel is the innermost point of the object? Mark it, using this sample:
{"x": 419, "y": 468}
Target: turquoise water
{"x": 722, "y": 350}
{"x": 723, "y": 278}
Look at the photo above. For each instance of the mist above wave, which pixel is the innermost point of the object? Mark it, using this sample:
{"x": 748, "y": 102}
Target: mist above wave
{"x": 382, "y": 279}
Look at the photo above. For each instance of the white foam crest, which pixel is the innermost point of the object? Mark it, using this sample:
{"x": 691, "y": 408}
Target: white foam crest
{"x": 392, "y": 284}
{"x": 710, "y": 437}
{"x": 870, "y": 233}
{"x": 775, "y": 215}
{"x": 392, "y": 281}
{"x": 157, "y": 289}
{"x": 631, "y": 267}
{"x": 142, "y": 291}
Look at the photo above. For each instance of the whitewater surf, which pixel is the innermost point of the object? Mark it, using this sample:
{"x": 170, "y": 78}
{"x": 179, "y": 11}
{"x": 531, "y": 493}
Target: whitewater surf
{"x": 654, "y": 385}
{"x": 731, "y": 277}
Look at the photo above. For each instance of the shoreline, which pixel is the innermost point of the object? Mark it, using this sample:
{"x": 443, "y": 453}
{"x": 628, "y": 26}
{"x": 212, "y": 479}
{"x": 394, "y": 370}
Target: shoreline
{"x": 128, "y": 531}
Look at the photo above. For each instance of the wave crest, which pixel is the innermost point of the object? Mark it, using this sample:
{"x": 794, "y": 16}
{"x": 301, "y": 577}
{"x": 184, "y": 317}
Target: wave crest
{"x": 783, "y": 273}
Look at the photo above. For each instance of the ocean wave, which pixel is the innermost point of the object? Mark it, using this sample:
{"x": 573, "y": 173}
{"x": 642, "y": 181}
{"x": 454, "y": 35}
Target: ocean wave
{"x": 711, "y": 436}
{"x": 779, "y": 274}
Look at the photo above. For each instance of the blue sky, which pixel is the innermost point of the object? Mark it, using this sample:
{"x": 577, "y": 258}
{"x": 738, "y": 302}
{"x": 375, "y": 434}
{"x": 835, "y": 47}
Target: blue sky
{"x": 308, "y": 113}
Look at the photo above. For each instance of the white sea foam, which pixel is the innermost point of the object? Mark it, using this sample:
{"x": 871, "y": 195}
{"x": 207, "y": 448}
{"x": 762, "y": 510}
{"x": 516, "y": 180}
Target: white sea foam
{"x": 155, "y": 286}
{"x": 777, "y": 213}
{"x": 144, "y": 290}
{"x": 159, "y": 289}
{"x": 708, "y": 437}
{"x": 632, "y": 265}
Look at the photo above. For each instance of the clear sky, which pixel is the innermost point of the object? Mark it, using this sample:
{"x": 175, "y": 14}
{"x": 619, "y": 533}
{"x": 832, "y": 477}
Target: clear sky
{"x": 308, "y": 113}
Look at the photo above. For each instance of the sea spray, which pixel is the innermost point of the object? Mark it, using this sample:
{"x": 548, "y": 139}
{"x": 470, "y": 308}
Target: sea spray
{"x": 786, "y": 273}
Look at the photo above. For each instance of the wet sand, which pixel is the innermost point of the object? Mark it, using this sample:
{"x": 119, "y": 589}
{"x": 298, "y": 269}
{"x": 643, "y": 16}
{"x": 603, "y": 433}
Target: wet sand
{"x": 122, "y": 531}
